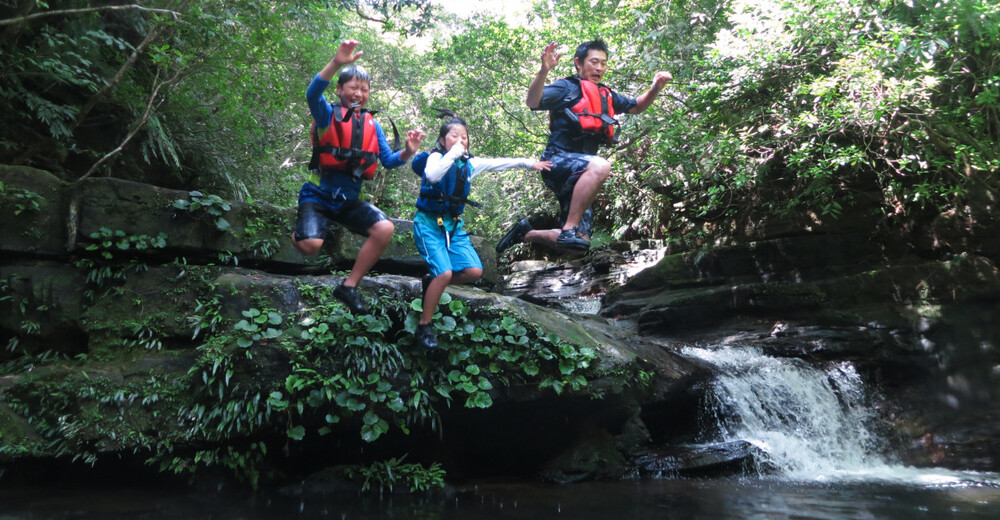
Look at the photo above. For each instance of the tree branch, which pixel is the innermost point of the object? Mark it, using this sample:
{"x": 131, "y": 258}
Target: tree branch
{"x": 92, "y": 102}
{"x": 138, "y": 125}
{"x": 60, "y": 12}
{"x": 150, "y": 36}
{"x": 366, "y": 17}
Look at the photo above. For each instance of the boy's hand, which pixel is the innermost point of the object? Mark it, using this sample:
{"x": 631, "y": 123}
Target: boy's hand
{"x": 661, "y": 79}
{"x": 413, "y": 138}
{"x": 550, "y": 56}
{"x": 346, "y": 54}
{"x": 542, "y": 165}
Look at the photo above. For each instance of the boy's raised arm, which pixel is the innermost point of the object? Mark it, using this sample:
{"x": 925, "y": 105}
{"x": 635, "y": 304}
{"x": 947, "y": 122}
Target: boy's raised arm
{"x": 345, "y": 54}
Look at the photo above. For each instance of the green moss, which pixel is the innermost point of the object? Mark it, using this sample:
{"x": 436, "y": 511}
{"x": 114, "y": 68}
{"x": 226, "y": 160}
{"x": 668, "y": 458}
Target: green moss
{"x": 257, "y": 372}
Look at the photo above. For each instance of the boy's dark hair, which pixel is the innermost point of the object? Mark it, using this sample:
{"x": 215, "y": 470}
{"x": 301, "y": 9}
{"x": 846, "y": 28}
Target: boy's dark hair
{"x": 351, "y": 72}
{"x": 452, "y": 120}
{"x": 596, "y": 44}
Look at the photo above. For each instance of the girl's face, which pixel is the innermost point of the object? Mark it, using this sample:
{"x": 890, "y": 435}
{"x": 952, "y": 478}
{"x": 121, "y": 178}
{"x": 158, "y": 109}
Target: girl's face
{"x": 456, "y": 134}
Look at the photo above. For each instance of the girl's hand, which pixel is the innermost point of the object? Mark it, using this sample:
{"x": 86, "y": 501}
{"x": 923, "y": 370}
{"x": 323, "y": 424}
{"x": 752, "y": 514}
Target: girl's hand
{"x": 542, "y": 165}
{"x": 458, "y": 149}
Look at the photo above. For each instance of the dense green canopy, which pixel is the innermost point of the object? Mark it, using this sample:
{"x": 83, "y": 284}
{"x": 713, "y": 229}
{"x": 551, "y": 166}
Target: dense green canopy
{"x": 776, "y": 108}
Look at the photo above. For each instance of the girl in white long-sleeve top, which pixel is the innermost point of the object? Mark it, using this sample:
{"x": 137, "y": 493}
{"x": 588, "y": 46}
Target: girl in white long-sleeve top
{"x": 447, "y": 174}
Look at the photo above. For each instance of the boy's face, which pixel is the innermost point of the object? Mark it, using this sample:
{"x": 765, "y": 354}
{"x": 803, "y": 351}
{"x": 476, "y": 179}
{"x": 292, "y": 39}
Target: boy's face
{"x": 354, "y": 91}
{"x": 593, "y": 66}
{"x": 456, "y": 134}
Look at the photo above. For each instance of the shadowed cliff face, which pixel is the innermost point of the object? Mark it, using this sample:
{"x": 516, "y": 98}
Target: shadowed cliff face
{"x": 138, "y": 330}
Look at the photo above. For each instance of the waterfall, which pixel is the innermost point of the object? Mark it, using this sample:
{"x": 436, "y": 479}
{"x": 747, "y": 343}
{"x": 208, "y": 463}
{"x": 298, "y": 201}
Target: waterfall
{"x": 813, "y": 424}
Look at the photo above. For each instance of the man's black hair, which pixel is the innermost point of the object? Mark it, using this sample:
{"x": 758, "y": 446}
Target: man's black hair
{"x": 351, "y": 72}
{"x": 596, "y": 44}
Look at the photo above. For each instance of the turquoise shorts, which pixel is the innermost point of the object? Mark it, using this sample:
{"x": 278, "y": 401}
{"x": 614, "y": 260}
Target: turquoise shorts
{"x": 433, "y": 247}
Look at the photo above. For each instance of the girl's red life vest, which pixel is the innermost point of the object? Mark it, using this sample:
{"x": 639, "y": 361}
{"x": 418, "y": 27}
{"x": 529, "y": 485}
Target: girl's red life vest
{"x": 349, "y": 145}
{"x": 595, "y": 110}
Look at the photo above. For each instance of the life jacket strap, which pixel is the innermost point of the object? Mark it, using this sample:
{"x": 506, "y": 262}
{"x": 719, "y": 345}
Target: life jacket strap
{"x": 431, "y": 195}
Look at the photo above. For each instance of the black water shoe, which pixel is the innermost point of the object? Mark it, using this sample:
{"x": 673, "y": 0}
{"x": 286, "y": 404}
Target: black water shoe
{"x": 572, "y": 239}
{"x": 351, "y": 299}
{"x": 514, "y": 235}
{"x": 425, "y": 336}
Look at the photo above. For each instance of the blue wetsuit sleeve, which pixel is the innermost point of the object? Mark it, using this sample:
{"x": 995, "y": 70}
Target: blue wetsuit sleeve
{"x": 319, "y": 107}
{"x": 389, "y": 158}
{"x": 557, "y": 96}
{"x": 622, "y": 103}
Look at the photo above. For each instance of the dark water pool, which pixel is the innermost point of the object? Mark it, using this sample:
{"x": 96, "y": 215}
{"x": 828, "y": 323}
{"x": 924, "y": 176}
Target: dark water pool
{"x": 659, "y": 499}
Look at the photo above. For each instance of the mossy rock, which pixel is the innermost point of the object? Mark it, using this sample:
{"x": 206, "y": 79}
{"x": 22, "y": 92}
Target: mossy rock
{"x": 33, "y": 209}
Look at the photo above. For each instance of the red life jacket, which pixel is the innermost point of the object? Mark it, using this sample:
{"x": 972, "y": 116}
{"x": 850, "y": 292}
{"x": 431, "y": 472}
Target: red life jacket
{"x": 350, "y": 144}
{"x": 595, "y": 110}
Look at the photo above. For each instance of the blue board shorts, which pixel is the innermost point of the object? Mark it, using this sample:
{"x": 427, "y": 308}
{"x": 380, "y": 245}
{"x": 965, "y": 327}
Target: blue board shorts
{"x": 433, "y": 248}
{"x": 319, "y": 208}
{"x": 561, "y": 179}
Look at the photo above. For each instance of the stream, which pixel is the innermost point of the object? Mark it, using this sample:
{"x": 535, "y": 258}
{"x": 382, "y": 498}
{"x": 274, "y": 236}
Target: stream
{"x": 814, "y": 426}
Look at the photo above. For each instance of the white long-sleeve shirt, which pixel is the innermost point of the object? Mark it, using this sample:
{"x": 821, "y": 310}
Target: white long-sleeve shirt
{"x": 438, "y": 165}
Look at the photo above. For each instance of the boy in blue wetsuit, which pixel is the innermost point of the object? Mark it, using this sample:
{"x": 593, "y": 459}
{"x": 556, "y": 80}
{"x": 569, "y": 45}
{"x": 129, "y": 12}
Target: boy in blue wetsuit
{"x": 446, "y": 177}
{"x": 581, "y": 119}
{"x": 347, "y": 142}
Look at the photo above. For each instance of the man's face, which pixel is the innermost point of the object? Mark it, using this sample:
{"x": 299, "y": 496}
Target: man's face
{"x": 593, "y": 66}
{"x": 354, "y": 91}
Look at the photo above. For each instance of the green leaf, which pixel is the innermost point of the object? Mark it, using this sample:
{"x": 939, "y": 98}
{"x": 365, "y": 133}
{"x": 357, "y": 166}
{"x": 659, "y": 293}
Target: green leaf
{"x": 297, "y": 433}
{"x": 447, "y": 324}
{"x": 479, "y": 400}
{"x": 276, "y": 400}
{"x": 370, "y": 433}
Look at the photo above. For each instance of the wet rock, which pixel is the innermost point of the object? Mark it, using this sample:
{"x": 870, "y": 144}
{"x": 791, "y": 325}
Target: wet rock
{"x": 714, "y": 460}
{"x": 579, "y": 285}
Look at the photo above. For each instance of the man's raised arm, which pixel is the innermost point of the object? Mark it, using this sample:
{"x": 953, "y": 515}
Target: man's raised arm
{"x": 549, "y": 60}
{"x": 646, "y": 99}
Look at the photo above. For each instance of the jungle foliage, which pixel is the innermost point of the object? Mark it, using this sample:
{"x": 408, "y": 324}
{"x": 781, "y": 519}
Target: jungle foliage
{"x": 264, "y": 379}
{"x": 776, "y": 108}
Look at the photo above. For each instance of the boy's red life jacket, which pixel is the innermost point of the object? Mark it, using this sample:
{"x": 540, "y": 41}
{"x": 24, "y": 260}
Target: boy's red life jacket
{"x": 349, "y": 145}
{"x": 595, "y": 110}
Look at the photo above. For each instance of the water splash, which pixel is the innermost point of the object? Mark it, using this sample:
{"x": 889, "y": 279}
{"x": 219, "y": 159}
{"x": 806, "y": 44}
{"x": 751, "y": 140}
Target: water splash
{"x": 814, "y": 424}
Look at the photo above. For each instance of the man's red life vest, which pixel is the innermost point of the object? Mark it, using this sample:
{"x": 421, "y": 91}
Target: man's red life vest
{"x": 595, "y": 110}
{"x": 350, "y": 144}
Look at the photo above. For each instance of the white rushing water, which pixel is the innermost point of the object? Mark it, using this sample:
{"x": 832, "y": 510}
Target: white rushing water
{"x": 814, "y": 424}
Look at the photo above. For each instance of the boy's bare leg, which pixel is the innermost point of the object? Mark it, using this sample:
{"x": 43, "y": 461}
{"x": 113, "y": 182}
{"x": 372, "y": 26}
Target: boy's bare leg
{"x": 379, "y": 236}
{"x": 308, "y": 246}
